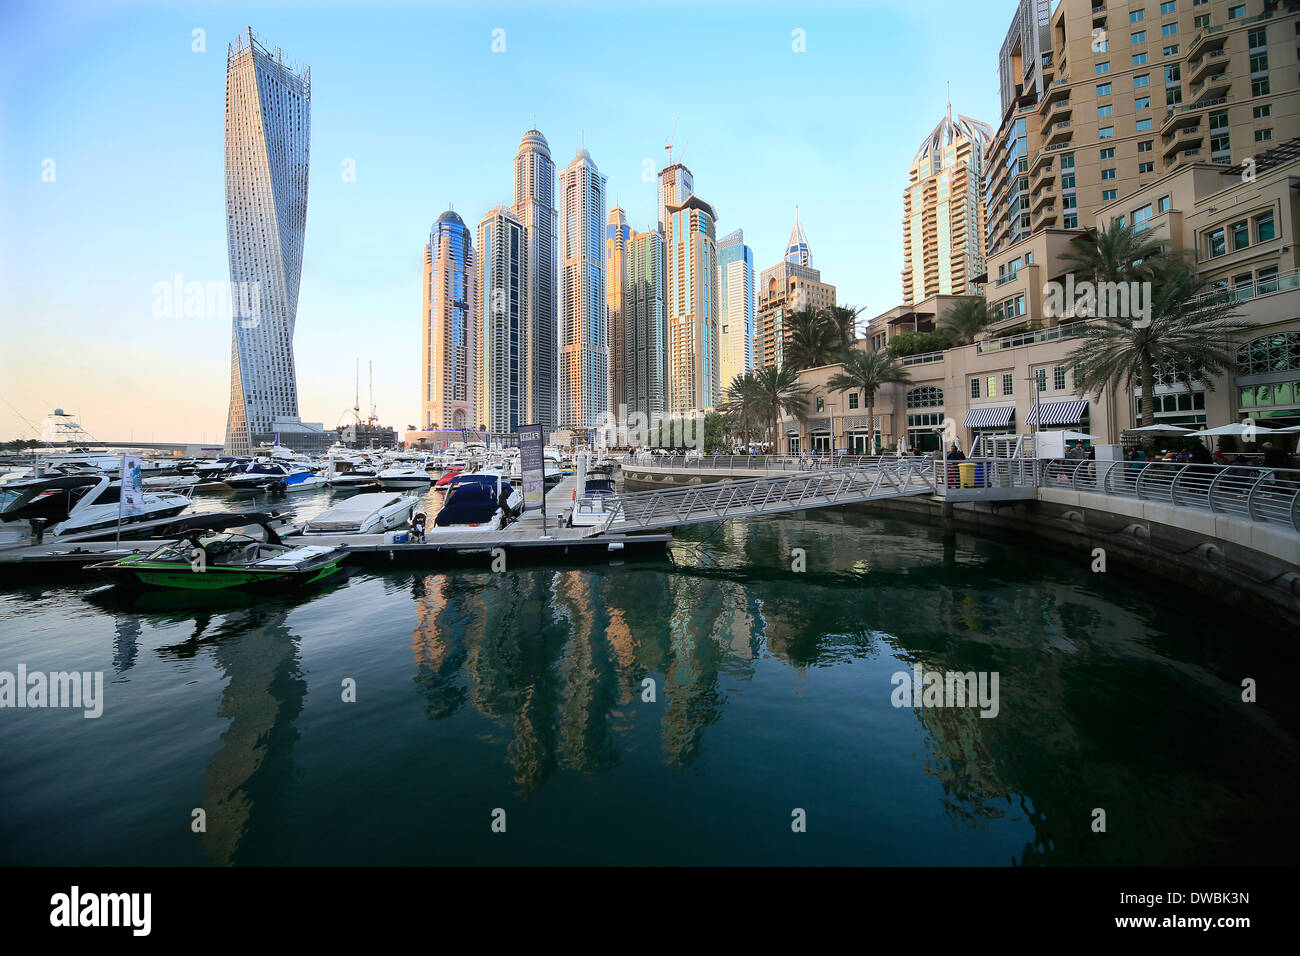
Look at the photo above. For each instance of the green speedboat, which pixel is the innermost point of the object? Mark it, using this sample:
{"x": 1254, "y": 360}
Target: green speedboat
{"x": 209, "y": 559}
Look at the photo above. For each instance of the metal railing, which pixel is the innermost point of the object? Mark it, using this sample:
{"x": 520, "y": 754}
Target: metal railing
{"x": 772, "y": 494}
{"x": 762, "y": 462}
{"x": 1266, "y": 495}
{"x": 976, "y": 473}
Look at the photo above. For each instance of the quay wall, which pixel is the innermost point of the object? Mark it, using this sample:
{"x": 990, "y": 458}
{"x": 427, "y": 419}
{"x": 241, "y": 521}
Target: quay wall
{"x": 1252, "y": 566}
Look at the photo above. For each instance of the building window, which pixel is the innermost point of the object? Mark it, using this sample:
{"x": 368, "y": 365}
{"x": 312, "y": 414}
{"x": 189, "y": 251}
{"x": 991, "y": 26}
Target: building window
{"x": 1201, "y": 22}
{"x": 1142, "y": 103}
{"x": 1258, "y": 63}
{"x": 1263, "y": 135}
{"x": 1171, "y": 50}
{"x": 1058, "y": 378}
{"x": 1163, "y": 204}
{"x": 1104, "y": 111}
{"x": 1040, "y": 379}
{"x": 1258, "y": 38}
{"x": 1142, "y": 217}
{"x": 821, "y": 404}
{"x": 1136, "y": 16}
{"x": 1070, "y": 222}
{"x": 1146, "y": 168}
{"x": 1236, "y": 13}
{"x": 1103, "y": 89}
{"x": 853, "y": 399}
{"x": 1108, "y": 194}
{"x": 1101, "y": 68}
{"x": 1143, "y": 125}
{"x": 928, "y": 396}
{"x": 1108, "y": 173}
{"x": 1168, "y": 7}
{"x": 1262, "y": 112}
{"x": 1173, "y": 95}
{"x": 1139, "y": 37}
{"x": 1146, "y": 145}
{"x": 1264, "y": 227}
{"x": 974, "y": 388}
{"x": 1139, "y": 59}
{"x": 1259, "y": 87}
{"x": 1217, "y": 243}
{"x": 1169, "y": 29}
{"x": 1106, "y": 132}
{"x": 1173, "y": 74}
{"x": 1141, "y": 81}
{"x": 1006, "y": 384}
{"x": 1108, "y": 152}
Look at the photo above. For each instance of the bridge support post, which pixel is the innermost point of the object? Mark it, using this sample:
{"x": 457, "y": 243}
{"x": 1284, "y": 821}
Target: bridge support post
{"x": 948, "y": 521}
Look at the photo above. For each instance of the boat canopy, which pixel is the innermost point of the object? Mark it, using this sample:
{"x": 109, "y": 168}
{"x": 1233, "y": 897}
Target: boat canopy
{"x": 41, "y": 497}
{"x": 182, "y": 527}
{"x": 468, "y": 503}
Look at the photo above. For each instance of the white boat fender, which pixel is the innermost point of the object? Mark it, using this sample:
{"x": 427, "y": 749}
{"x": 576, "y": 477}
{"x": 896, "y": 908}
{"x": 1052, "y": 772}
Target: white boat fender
{"x": 616, "y": 546}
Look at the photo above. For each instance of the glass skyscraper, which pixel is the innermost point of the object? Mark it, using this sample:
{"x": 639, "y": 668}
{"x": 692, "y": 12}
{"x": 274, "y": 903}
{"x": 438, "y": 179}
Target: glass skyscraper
{"x": 535, "y": 207}
{"x": 268, "y": 135}
{"x": 692, "y": 306}
{"x": 617, "y": 233}
{"x": 644, "y": 360}
{"x": 501, "y": 318}
{"x": 451, "y": 354}
{"x": 736, "y": 335}
{"x": 584, "y": 342}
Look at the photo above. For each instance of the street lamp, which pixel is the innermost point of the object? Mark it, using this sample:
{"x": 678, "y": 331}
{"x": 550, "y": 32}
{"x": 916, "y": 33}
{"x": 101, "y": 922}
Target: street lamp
{"x": 831, "y": 406}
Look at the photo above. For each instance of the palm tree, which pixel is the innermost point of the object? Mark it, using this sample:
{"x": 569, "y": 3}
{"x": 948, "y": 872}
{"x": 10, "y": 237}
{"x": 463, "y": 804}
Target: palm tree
{"x": 1187, "y": 332}
{"x": 968, "y": 317}
{"x": 743, "y": 407}
{"x": 844, "y": 318}
{"x": 1118, "y": 253}
{"x": 867, "y": 372}
{"x": 811, "y": 340}
{"x": 777, "y": 390}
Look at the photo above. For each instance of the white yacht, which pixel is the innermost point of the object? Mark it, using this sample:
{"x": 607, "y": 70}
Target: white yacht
{"x": 406, "y": 477}
{"x": 69, "y": 504}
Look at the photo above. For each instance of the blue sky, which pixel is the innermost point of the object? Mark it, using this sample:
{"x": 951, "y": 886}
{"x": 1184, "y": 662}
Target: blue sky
{"x": 413, "y": 93}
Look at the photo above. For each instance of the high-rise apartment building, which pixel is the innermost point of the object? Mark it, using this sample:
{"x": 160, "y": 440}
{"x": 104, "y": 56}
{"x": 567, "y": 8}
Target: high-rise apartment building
{"x": 617, "y": 233}
{"x": 784, "y": 289}
{"x": 451, "y": 354}
{"x": 535, "y": 207}
{"x": 692, "y": 305}
{"x": 943, "y": 210}
{"x": 268, "y": 138}
{"x": 1100, "y": 99}
{"x": 736, "y": 321}
{"x": 584, "y": 341}
{"x": 645, "y": 365}
{"x": 501, "y": 317}
{"x": 675, "y": 184}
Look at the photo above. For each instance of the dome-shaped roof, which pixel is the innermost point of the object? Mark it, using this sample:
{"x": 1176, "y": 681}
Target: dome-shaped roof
{"x": 450, "y": 216}
{"x": 582, "y": 154}
{"x": 533, "y": 139}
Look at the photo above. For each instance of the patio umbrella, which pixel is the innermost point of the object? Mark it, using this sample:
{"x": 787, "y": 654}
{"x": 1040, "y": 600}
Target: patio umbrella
{"x": 1165, "y": 430}
{"x": 1236, "y": 428}
{"x": 1289, "y": 430}
{"x": 1079, "y": 436}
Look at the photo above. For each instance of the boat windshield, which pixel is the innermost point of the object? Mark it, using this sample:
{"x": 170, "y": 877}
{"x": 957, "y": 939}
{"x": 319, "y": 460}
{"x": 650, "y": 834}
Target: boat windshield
{"x": 216, "y": 548}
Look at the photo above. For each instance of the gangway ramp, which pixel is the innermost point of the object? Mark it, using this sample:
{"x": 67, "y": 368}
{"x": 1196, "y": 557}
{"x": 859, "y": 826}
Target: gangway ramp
{"x": 772, "y": 494}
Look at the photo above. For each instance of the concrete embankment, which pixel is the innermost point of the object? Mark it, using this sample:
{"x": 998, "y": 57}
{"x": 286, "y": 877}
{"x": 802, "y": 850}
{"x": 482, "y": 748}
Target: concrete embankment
{"x": 1253, "y": 566}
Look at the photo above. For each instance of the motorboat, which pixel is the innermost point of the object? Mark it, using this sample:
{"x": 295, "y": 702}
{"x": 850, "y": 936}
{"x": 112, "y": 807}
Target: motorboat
{"x": 209, "y": 558}
{"x": 596, "y": 507}
{"x": 495, "y": 482}
{"x": 405, "y": 477}
{"x": 71, "y": 504}
{"x": 274, "y": 476}
{"x": 471, "y": 506}
{"x": 448, "y": 476}
{"x": 359, "y": 477}
{"x": 369, "y": 513}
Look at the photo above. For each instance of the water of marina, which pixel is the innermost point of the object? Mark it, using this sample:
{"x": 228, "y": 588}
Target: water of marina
{"x": 523, "y": 692}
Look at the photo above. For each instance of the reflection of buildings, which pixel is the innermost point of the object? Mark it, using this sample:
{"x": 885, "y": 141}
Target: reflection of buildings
{"x": 439, "y": 649}
{"x": 589, "y": 692}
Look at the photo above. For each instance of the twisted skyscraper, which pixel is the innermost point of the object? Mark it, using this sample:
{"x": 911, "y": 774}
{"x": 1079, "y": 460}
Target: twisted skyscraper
{"x": 268, "y": 133}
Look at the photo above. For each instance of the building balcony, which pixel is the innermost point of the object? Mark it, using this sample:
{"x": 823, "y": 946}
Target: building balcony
{"x": 1046, "y": 173}
{"x": 1211, "y": 38}
{"x": 1178, "y": 117}
{"x": 1184, "y": 138}
{"x": 1199, "y": 69}
{"x": 1060, "y": 134}
{"x": 1214, "y": 87}
{"x": 1044, "y": 217}
{"x": 1047, "y": 194}
{"x": 1058, "y": 112}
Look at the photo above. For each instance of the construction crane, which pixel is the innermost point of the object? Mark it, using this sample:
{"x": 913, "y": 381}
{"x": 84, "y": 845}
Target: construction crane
{"x": 668, "y": 143}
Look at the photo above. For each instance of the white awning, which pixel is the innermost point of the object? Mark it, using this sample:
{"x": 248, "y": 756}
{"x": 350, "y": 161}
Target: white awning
{"x": 1058, "y": 413}
{"x": 997, "y": 416}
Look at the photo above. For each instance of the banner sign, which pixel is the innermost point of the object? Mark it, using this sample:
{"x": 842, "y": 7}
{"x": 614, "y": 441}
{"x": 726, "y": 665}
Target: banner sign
{"x": 132, "y": 500}
{"x": 532, "y": 466}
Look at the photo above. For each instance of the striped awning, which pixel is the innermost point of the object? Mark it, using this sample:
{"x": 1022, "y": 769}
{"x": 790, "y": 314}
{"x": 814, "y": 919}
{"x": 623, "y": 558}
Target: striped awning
{"x": 1058, "y": 413}
{"x": 997, "y": 416}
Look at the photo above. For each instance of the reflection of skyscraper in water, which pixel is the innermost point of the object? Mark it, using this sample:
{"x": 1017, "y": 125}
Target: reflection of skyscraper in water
{"x": 265, "y": 689}
{"x": 126, "y": 643}
{"x": 589, "y": 692}
{"x": 439, "y": 649}
{"x": 691, "y": 697}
